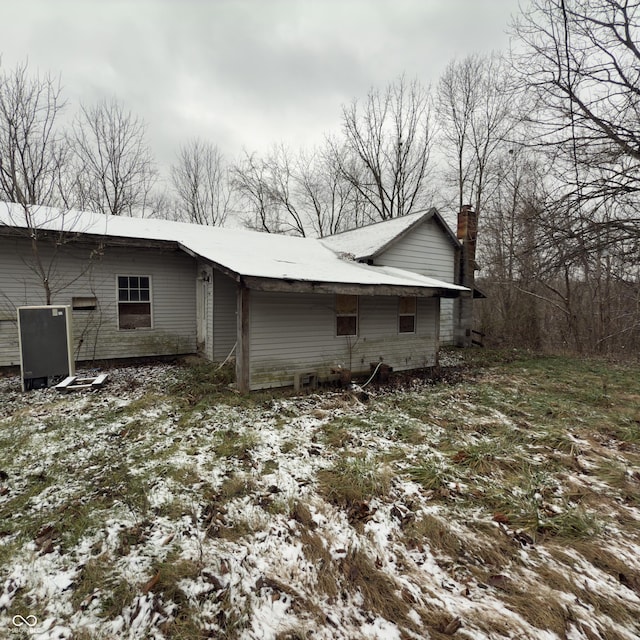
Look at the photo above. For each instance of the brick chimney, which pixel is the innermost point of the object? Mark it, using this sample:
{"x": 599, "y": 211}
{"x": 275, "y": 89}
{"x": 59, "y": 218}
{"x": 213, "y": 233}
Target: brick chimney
{"x": 467, "y": 234}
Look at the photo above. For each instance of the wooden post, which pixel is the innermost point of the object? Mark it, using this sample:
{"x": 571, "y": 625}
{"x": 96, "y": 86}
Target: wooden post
{"x": 243, "y": 361}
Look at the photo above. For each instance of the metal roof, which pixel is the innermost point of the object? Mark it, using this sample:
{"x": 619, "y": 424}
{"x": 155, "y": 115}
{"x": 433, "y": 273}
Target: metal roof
{"x": 372, "y": 240}
{"x": 237, "y": 251}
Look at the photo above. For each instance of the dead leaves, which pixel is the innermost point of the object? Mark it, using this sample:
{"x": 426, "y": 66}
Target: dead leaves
{"x": 360, "y": 512}
{"x": 45, "y": 539}
{"x": 151, "y": 584}
{"x": 451, "y": 627}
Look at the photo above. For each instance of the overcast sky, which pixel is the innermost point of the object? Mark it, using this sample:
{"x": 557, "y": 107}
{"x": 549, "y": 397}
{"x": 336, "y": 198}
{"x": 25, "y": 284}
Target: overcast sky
{"x": 243, "y": 73}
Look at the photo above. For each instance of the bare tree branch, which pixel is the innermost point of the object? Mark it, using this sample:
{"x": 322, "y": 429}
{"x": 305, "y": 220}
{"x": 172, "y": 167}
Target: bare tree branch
{"x": 200, "y": 181}
{"x": 115, "y": 171}
{"x": 388, "y": 141}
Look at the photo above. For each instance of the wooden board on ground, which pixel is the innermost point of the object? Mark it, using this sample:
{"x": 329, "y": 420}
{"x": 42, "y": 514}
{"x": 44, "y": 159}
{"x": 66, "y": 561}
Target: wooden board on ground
{"x": 76, "y": 383}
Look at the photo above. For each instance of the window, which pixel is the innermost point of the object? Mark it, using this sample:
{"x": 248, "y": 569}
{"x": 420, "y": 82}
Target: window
{"x": 134, "y": 302}
{"x": 406, "y": 315}
{"x": 346, "y": 315}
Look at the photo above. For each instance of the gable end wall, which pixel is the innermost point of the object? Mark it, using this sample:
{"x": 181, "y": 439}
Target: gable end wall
{"x": 426, "y": 250}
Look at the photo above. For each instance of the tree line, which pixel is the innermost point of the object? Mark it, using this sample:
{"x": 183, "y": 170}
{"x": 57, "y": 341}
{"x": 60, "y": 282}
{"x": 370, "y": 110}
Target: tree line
{"x": 380, "y": 165}
{"x": 544, "y": 143}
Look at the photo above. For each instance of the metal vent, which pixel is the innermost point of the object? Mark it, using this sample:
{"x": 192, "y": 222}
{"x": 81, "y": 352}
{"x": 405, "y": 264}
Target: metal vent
{"x": 46, "y": 345}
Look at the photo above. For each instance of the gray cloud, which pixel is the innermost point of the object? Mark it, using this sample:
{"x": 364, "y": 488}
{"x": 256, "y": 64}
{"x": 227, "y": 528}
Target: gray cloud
{"x": 243, "y": 73}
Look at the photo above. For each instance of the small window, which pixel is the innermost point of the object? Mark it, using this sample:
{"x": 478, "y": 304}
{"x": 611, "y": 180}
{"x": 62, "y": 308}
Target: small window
{"x": 84, "y": 303}
{"x": 406, "y": 315}
{"x": 346, "y": 315}
{"x": 134, "y": 302}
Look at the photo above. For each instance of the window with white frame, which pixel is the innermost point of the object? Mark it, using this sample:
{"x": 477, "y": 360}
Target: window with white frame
{"x": 346, "y": 315}
{"x": 406, "y": 315}
{"x": 134, "y": 302}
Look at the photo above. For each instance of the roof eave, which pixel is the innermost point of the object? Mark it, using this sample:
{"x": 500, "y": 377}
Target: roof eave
{"x": 234, "y": 275}
{"x": 431, "y": 213}
{"x": 283, "y": 285}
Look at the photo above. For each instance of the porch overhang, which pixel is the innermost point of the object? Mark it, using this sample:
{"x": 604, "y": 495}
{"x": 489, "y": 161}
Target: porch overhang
{"x": 305, "y": 286}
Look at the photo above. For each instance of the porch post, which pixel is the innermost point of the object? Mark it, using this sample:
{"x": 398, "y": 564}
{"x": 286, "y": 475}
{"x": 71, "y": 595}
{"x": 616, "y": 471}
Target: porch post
{"x": 243, "y": 362}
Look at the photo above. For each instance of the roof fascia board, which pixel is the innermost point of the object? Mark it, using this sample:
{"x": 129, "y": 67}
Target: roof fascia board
{"x": 431, "y": 213}
{"x": 447, "y": 229}
{"x": 299, "y": 286}
{"x": 78, "y": 237}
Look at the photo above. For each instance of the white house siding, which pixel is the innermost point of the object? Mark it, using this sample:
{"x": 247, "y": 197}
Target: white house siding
{"x": 224, "y": 315}
{"x": 96, "y": 333}
{"x": 296, "y": 332}
{"x": 426, "y": 250}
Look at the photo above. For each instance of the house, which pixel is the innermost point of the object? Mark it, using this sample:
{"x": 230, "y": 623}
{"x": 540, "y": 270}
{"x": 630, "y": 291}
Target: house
{"x": 285, "y": 307}
{"x": 424, "y": 243}
{"x": 420, "y": 242}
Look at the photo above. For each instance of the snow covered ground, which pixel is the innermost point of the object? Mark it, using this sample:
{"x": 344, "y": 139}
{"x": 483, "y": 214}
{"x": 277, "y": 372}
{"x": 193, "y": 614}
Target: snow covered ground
{"x": 475, "y": 508}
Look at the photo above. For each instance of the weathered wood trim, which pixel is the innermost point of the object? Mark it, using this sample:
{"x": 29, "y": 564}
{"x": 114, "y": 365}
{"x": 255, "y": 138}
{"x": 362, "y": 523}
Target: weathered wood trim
{"x": 243, "y": 357}
{"x": 227, "y": 272}
{"x": 299, "y": 286}
{"x": 83, "y": 239}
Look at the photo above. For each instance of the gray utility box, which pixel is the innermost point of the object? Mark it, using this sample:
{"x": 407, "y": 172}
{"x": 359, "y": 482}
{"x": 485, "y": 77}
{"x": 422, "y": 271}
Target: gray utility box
{"x": 46, "y": 345}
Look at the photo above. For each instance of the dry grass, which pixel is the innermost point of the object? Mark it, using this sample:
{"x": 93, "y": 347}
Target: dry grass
{"x": 354, "y": 480}
{"x": 236, "y": 486}
{"x": 379, "y": 593}
{"x": 514, "y": 488}
{"x": 315, "y": 550}
{"x": 540, "y": 610}
{"x": 434, "y": 532}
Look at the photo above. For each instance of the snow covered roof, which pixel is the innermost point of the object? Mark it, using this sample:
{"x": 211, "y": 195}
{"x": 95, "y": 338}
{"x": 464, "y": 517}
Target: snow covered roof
{"x": 242, "y": 252}
{"x": 372, "y": 240}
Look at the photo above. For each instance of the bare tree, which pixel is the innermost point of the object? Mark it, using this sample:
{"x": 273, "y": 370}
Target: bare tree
{"x": 115, "y": 170}
{"x": 252, "y": 180}
{"x": 580, "y": 61}
{"x": 514, "y": 250}
{"x": 301, "y": 193}
{"x": 201, "y": 182}
{"x": 32, "y": 153}
{"x": 32, "y": 161}
{"x": 476, "y": 110}
{"x": 547, "y": 286}
{"x": 298, "y": 193}
{"x": 332, "y": 203}
{"x": 388, "y": 140}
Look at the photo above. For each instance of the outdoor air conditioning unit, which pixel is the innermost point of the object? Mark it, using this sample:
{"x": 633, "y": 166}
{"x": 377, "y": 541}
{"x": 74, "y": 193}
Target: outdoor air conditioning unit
{"x": 46, "y": 345}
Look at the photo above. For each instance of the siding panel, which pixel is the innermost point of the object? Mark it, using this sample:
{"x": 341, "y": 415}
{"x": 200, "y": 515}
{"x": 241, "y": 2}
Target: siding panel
{"x": 296, "y": 332}
{"x": 426, "y": 250}
{"x": 96, "y": 334}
